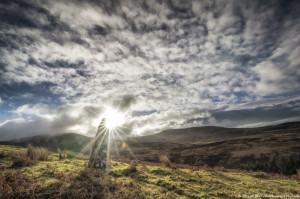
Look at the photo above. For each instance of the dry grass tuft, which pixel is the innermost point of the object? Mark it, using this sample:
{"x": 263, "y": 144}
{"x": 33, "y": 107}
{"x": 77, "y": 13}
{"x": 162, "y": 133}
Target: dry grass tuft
{"x": 261, "y": 174}
{"x": 219, "y": 168}
{"x": 165, "y": 160}
{"x": 62, "y": 155}
{"x": 37, "y": 153}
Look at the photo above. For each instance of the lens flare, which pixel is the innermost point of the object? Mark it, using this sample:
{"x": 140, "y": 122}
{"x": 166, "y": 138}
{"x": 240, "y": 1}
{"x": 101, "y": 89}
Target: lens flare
{"x": 113, "y": 118}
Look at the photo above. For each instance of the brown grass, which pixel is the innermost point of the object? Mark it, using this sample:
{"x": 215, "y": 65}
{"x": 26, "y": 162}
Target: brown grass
{"x": 14, "y": 184}
{"x": 165, "y": 160}
{"x": 2, "y": 154}
{"x": 22, "y": 161}
{"x": 298, "y": 174}
{"x": 62, "y": 155}
{"x": 132, "y": 166}
{"x": 219, "y": 168}
{"x": 37, "y": 153}
{"x": 92, "y": 183}
{"x": 12, "y": 154}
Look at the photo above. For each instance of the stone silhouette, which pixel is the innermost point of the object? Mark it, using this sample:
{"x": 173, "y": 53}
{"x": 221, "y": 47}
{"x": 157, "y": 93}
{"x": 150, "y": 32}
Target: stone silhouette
{"x": 100, "y": 157}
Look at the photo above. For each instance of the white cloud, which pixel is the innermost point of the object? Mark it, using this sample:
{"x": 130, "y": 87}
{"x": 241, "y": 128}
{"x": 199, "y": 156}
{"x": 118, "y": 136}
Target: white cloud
{"x": 171, "y": 56}
{"x": 44, "y": 119}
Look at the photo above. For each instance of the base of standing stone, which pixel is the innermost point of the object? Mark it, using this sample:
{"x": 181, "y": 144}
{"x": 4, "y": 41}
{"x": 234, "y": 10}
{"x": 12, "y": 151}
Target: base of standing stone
{"x": 97, "y": 162}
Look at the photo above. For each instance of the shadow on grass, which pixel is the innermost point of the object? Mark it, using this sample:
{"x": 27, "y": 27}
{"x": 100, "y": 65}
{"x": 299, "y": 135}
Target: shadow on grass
{"x": 224, "y": 177}
{"x": 170, "y": 181}
{"x": 89, "y": 183}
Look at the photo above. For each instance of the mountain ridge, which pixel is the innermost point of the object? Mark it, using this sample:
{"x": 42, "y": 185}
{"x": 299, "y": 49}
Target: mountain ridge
{"x": 211, "y": 133}
{"x": 197, "y": 135}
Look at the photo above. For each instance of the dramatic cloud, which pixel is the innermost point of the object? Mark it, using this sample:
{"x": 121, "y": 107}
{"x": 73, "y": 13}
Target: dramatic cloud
{"x": 165, "y": 64}
{"x": 43, "y": 119}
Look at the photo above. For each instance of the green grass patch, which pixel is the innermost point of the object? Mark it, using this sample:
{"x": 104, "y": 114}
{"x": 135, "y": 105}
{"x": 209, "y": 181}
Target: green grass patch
{"x": 55, "y": 177}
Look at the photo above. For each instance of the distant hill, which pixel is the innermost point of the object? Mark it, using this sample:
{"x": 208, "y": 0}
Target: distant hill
{"x": 213, "y": 133}
{"x": 209, "y": 145}
{"x": 251, "y": 148}
{"x": 69, "y": 142}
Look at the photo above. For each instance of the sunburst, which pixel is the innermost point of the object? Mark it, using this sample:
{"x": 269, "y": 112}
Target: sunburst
{"x": 113, "y": 118}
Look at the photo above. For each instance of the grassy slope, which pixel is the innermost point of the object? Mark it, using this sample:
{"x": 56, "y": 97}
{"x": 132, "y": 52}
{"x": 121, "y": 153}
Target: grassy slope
{"x": 159, "y": 182}
{"x": 231, "y": 153}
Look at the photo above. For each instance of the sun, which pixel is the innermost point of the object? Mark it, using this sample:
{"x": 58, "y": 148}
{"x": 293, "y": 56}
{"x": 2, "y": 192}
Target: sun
{"x": 113, "y": 118}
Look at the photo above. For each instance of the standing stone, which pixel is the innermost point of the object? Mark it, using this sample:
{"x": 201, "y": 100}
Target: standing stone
{"x": 99, "y": 157}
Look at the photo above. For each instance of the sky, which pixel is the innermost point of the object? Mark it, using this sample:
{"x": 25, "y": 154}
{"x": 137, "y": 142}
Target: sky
{"x": 164, "y": 64}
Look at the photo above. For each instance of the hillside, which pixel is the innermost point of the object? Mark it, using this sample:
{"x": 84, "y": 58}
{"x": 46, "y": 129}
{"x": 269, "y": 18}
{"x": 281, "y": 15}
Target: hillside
{"x": 231, "y": 154}
{"x": 257, "y": 150}
{"x": 213, "y": 146}
{"x": 207, "y": 134}
{"x": 69, "y": 178}
{"x": 67, "y": 142}
{"x": 213, "y": 133}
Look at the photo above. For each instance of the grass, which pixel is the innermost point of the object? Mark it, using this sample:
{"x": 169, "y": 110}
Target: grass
{"x": 23, "y": 161}
{"x": 37, "y": 153}
{"x": 163, "y": 182}
{"x": 70, "y": 178}
{"x": 165, "y": 160}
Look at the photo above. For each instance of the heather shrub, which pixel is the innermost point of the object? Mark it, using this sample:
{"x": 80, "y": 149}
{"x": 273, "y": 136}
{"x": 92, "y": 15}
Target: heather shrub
{"x": 283, "y": 164}
{"x": 298, "y": 174}
{"x": 14, "y": 184}
{"x": 22, "y": 161}
{"x": 2, "y": 155}
{"x": 132, "y": 166}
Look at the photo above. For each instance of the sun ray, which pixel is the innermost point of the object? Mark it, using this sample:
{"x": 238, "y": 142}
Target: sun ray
{"x": 101, "y": 142}
{"x": 131, "y": 139}
{"x": 127, "y": 147}
{"x": 116, "y": 147}
{"x": 108, "y": 153}
{"x": 91, "y": 143}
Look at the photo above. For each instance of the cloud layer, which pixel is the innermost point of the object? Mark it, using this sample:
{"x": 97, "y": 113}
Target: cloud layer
{"x": 166, "y": 64}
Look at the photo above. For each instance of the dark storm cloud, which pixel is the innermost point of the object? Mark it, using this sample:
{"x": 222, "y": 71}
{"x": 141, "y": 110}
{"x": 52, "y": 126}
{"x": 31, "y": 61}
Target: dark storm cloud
{"x": 168, "y": 64}
{"x": 16, "y": 15}
{"x": 19, "y": 13}
{"x": 126, "y": 102}
{"x": 123, "y": 102}
{"x": 61, "y": 64}
{"x": 98, "y": 30}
